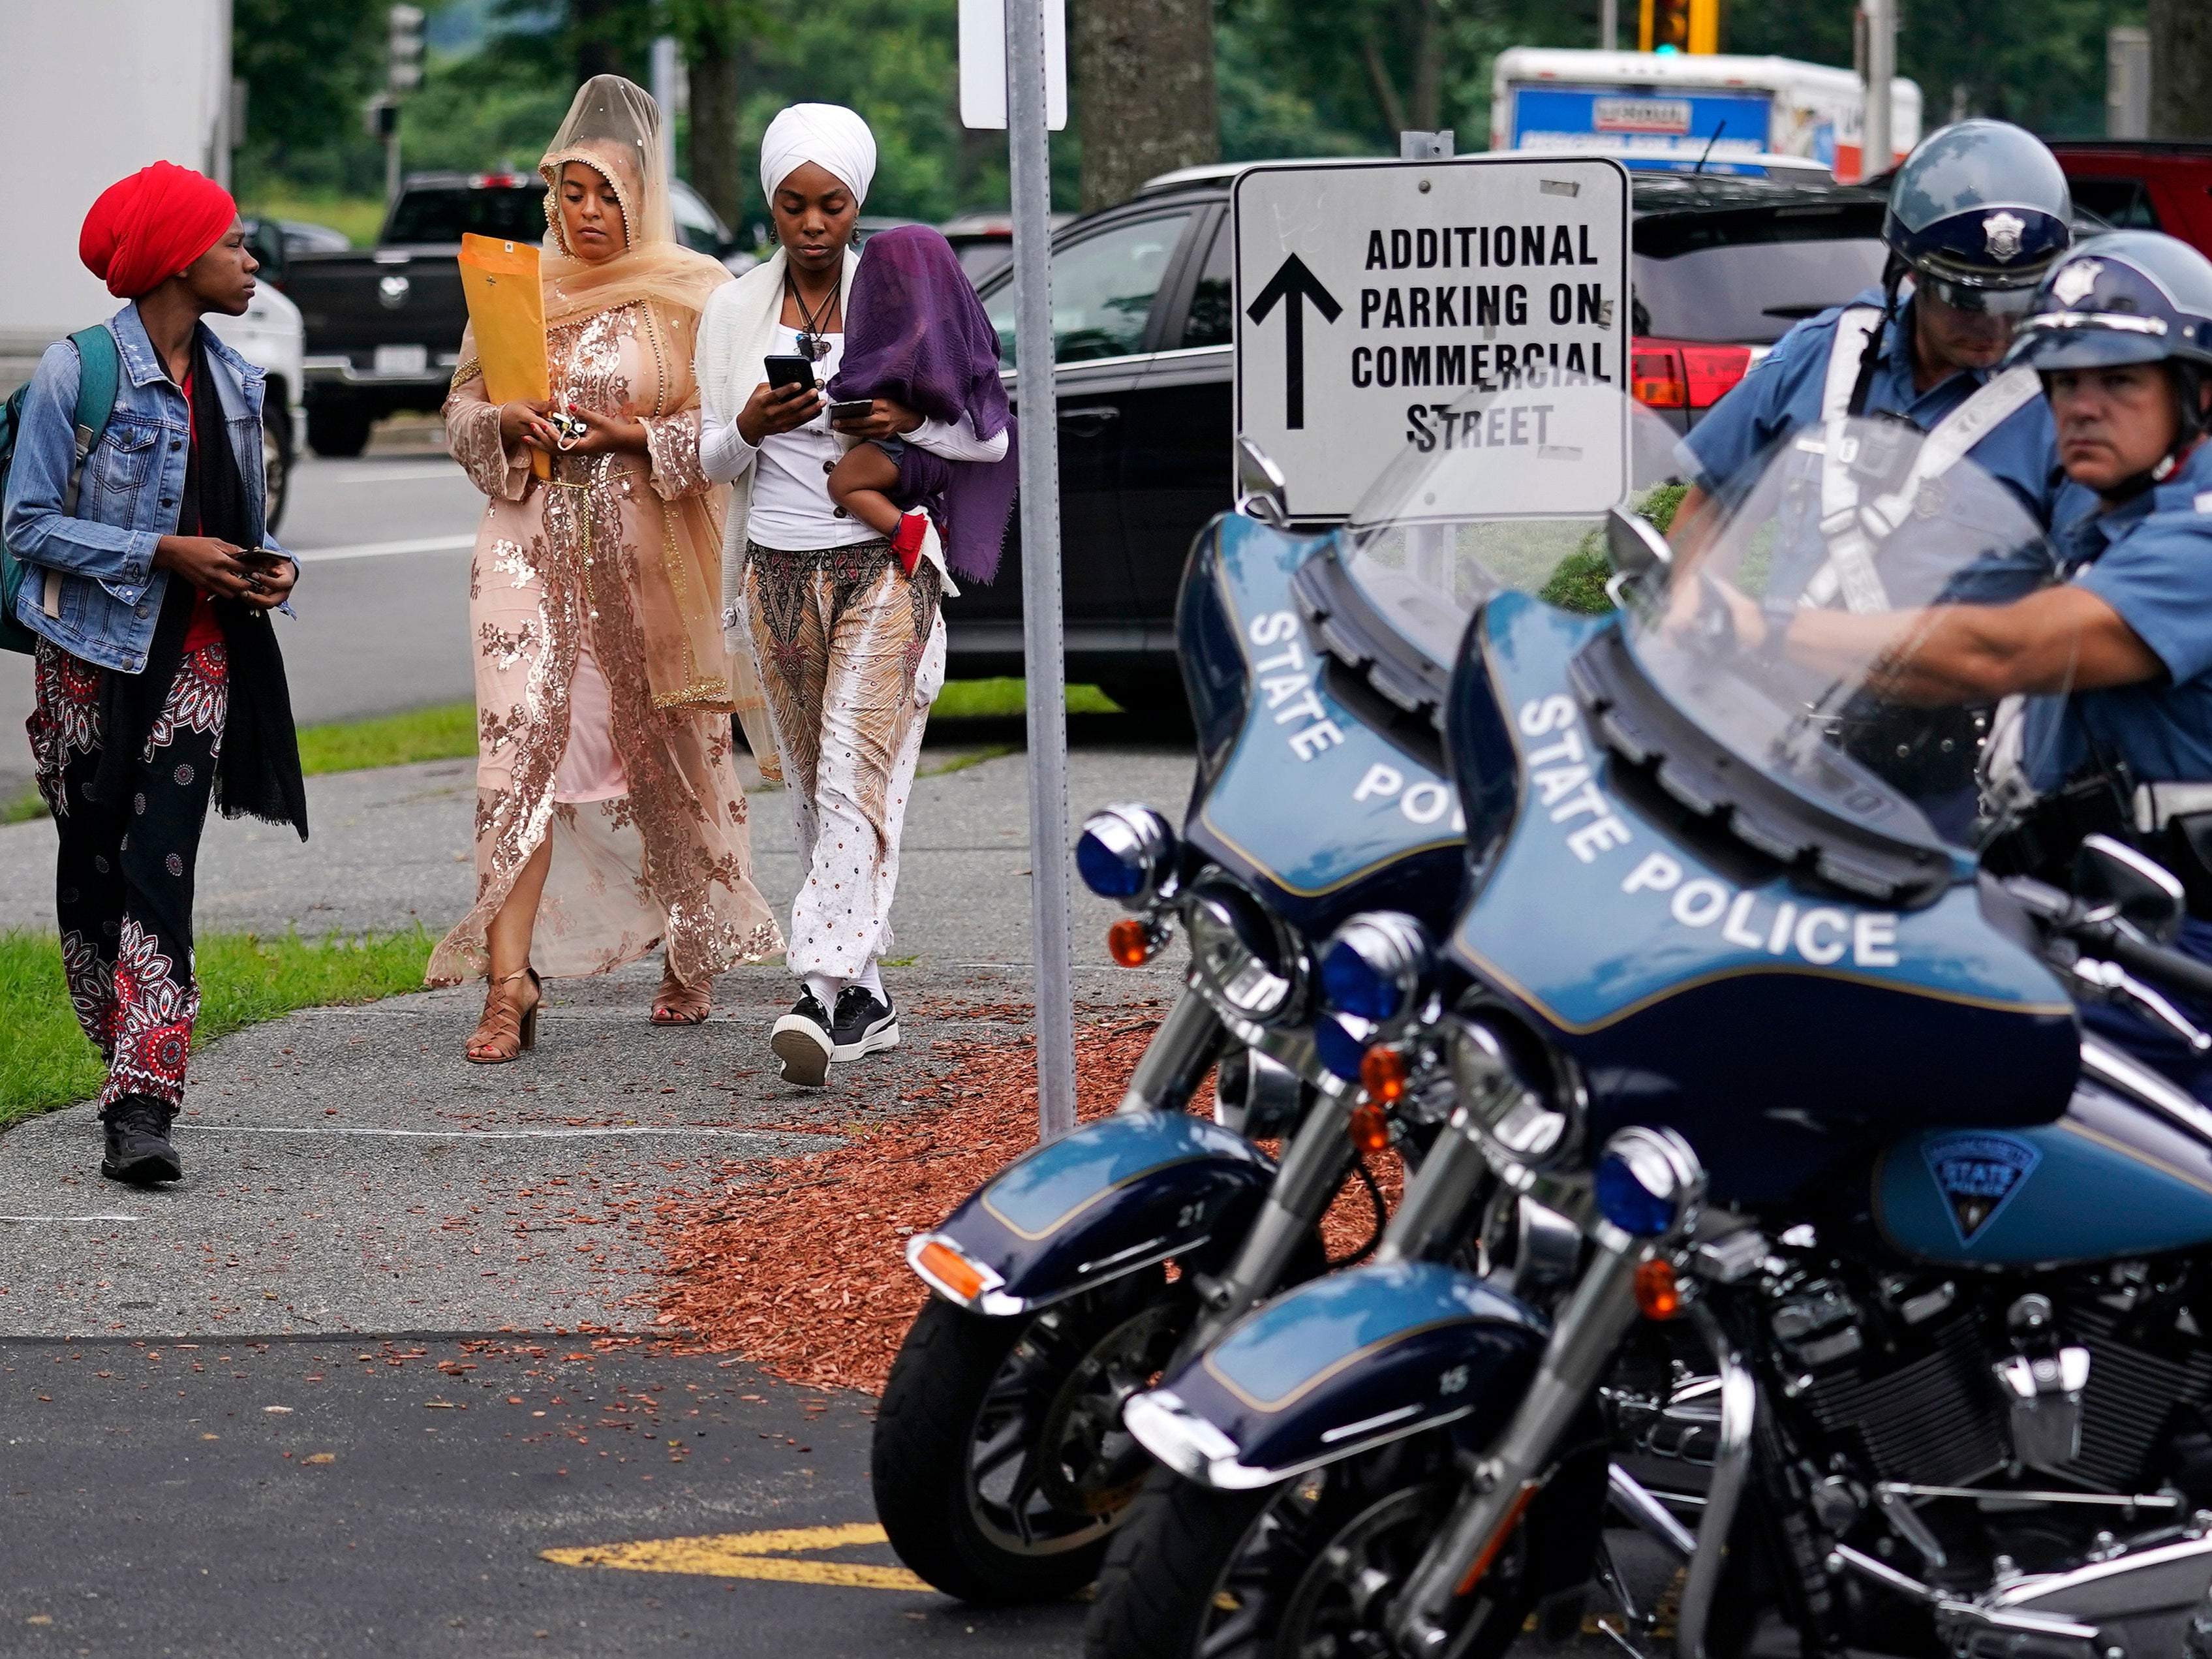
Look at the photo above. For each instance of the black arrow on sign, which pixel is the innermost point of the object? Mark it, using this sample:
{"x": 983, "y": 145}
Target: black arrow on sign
{"x": 1294, "y": 284}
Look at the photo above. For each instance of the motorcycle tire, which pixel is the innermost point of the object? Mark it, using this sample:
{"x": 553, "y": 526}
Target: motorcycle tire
{"x": 1026, "y": 1386}
{"x": 1186, "y": 1556}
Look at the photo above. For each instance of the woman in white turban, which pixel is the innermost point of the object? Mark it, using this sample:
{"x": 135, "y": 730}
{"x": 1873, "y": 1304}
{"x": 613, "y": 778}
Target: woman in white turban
{"x": 848, "y": 644}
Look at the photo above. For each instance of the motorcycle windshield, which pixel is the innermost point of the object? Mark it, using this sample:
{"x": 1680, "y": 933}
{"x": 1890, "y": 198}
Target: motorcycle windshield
{"x": 1502, "y": 489}
{"x": 1829, "y": 627}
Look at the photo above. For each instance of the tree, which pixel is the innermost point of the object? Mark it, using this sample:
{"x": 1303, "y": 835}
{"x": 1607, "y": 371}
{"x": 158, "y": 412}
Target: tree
{"x": 717, "y": 37}
{"x": 2180, "y": 68}
{"x": 308, "y": 70}
{"x": 1143, "y": 93}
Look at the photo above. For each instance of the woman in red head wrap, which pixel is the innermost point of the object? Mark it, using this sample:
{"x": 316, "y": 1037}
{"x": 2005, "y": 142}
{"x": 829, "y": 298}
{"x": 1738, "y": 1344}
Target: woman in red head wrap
{"x": 149, "y": 583}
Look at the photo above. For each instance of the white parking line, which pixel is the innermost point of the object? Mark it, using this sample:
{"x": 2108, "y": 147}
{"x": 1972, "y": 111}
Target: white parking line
{"x": 393, "y": 474}
{"x": 68, "y": 1218}
{"x": 381, "y": 549}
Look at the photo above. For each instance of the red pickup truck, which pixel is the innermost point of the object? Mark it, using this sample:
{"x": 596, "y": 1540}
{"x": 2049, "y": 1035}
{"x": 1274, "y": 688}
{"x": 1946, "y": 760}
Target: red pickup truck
{"x": 2143, "y": 184}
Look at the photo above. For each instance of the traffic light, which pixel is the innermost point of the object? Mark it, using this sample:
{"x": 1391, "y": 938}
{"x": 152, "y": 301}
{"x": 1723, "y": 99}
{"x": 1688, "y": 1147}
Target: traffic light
{"x": 403, "y": 70}
{"x": 1679, "y": 26}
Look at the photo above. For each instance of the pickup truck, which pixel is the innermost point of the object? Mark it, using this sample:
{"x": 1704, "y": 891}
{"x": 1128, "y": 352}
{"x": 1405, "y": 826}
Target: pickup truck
{"x": 384, "y": 324}
{"x": 2143, "y": 184}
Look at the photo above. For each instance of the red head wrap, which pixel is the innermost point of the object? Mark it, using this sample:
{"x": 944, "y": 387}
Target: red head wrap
{"x": 150, "y": 226}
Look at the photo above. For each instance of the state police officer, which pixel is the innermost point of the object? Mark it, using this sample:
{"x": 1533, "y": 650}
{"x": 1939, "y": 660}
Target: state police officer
{"x": 2116, "y": 658}
{"x": 1976, "y": 215}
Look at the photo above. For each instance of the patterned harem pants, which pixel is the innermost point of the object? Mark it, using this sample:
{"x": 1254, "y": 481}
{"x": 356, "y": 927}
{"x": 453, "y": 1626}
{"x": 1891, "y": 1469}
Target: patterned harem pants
{"x": 124, "y": 882}
{"x": 851, "y": 653}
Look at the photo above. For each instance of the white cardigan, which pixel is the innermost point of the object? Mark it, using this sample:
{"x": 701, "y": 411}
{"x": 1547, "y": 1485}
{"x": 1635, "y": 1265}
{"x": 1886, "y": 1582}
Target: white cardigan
{"x": 737, "y": 332}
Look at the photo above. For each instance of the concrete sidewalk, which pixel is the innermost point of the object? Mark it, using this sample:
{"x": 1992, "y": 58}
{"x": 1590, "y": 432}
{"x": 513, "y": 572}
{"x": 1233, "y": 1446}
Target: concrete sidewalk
{"x": 347, "y": 1170}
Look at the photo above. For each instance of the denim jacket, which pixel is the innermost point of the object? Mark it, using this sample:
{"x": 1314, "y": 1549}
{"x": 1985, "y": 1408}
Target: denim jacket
{"x": 92, "y": 587}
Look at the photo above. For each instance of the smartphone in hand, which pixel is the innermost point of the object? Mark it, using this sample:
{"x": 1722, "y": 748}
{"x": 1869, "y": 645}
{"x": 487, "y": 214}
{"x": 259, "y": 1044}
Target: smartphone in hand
{"x": 853, "y": 409}
{"x": 783, "y": 371}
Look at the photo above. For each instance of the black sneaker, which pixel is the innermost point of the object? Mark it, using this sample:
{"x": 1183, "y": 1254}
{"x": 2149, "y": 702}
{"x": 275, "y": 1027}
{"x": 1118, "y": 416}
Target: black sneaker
{"x": 138, "y": 1149}
{"x": 802, "y": 1042}
{"x": 866, "y": 1023}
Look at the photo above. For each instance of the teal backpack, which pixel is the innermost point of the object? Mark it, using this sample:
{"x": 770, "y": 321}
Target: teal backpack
{"x": 98, "y": 371}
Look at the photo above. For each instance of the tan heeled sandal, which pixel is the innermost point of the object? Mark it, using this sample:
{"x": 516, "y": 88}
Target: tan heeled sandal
{"x": 508, "y": 1027}
{"x": 678, "y": 1003}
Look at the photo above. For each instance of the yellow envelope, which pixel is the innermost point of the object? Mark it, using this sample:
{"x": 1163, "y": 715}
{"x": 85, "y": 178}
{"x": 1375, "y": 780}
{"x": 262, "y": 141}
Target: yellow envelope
{"x": 507, "y": 308}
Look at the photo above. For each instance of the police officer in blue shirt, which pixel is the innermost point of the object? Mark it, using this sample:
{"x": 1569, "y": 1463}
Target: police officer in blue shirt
{"x": 1977, "y": 215}
{"x": 2116, "y": 658}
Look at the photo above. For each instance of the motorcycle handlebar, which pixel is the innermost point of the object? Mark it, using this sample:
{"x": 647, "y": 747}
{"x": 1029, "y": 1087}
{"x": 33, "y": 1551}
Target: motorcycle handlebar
{"x": 2157, "y": 962}
{"x": 2113, "y": 940}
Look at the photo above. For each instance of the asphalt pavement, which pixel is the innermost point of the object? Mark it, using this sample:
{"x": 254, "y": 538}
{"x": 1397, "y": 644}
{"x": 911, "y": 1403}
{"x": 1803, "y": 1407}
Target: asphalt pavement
{"x": 290, "y": 1404}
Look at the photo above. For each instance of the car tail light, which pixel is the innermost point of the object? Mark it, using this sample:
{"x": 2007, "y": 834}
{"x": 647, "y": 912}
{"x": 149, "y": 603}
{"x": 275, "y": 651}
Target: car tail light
{"x": 1684, "y": 373}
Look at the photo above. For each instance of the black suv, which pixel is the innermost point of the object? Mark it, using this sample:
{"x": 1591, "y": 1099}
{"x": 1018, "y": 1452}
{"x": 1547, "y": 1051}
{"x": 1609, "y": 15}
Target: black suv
{"x": 1140, "y": 299}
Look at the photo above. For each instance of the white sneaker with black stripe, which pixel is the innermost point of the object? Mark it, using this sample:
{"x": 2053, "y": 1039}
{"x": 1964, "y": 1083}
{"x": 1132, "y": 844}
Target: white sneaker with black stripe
{"x": 866, "y": 1023}
{"x": 802, "y": 1042}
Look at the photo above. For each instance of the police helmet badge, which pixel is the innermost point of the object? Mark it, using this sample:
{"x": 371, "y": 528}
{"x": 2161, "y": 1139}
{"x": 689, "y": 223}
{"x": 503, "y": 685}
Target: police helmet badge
{"x": 2072, "y": 285}
{"x": 2000, "y": 233}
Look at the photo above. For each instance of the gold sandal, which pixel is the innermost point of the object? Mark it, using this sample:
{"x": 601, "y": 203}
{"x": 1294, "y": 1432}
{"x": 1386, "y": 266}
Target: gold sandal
{"x": 507, "y": 1028}
{"x": 678, "y": 1003}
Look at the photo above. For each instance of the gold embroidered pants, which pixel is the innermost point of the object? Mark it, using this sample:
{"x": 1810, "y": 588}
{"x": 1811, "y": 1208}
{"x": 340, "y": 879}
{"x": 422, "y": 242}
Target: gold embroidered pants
{"x": 851, "y": 653}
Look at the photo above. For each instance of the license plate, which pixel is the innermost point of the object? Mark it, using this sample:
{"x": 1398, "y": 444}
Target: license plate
{"x": 402, "y": 359}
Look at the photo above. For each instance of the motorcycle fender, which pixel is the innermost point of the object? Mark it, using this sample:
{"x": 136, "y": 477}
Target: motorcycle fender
{"x": 1118, "y": 1194}
{"x": 1338, "y": 1366}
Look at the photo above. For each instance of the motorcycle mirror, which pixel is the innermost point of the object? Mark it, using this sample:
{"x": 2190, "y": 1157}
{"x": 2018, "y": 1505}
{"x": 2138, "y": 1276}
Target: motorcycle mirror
{"x": 1633, "y": 546}
{"x": 1262, "y": 491}
{"x": 2143, "y": 892}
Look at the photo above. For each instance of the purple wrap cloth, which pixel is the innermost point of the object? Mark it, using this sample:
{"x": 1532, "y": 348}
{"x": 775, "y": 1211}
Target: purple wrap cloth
{"x": 915, "y": 333}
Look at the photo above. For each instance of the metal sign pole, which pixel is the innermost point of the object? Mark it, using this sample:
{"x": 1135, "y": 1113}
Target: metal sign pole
{"x": 1044, "y": 664}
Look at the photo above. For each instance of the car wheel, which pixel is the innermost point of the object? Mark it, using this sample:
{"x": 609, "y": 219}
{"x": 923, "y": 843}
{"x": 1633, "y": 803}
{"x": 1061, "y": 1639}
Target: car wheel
{"x": 338, "y": 430}
{"x": 1157, "y": 697}
{"x": 275, "y": 467}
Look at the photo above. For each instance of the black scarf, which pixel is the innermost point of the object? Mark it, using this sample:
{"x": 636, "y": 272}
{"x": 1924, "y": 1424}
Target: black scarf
{"x": 258, "y": 771}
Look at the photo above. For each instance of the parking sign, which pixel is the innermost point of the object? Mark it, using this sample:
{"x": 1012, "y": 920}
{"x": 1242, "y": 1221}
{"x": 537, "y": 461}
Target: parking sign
{"x": 1374, "y": 298}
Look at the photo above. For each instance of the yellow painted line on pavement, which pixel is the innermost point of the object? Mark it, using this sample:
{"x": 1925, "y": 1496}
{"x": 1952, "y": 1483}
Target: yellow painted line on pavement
{"x": 750, "y": 1555}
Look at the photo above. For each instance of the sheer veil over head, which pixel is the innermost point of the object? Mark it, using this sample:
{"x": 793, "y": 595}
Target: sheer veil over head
{"x": 613, "y": 128}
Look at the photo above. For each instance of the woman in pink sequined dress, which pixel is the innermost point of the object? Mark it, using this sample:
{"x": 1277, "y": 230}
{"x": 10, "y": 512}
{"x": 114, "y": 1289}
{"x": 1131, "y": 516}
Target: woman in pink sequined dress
{"x": 609, "y": 817}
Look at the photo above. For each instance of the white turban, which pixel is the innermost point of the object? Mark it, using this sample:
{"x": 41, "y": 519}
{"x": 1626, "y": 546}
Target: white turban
{"x": 830, "y": 135}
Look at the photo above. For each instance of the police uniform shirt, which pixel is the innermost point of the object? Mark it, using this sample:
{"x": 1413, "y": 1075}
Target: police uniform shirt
{"x": 2151, "y": 560}
{"x": 1783, "y": 393}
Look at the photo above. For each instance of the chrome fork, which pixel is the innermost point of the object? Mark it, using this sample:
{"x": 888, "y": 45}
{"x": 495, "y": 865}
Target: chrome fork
{"x": 1506, "y": 1482}
{"x": 1174, "y": 1062}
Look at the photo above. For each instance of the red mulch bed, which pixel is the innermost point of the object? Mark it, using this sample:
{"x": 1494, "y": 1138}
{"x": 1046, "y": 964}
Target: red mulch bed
{"x": 798, "y": 1264}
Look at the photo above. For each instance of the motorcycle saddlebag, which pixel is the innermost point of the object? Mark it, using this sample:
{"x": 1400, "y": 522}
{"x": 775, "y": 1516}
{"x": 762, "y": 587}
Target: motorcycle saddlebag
{"x": 1118, "y": 1194}
{"x": 1338, "y": 1366}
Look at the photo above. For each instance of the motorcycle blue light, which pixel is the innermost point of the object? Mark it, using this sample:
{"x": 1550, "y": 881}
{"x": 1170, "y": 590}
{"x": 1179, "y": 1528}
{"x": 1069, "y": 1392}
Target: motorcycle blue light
{"x": 1623, "y": 1201}
{"x": 1125, "y": 854}
{"x": 1374, "y": 966}
{"x": 1341, "y": 1041}
{"x": 1647, "y": 1181}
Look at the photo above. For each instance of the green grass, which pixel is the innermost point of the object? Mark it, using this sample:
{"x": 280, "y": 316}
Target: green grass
{"x": 445, "y": 732}
{"x": 1578, "y": 583}
{"x": 970, "y": 700}
{"x": 47, "y": 1062}
{"x": 360, "y": 217}
{"x": 26, "y": 806}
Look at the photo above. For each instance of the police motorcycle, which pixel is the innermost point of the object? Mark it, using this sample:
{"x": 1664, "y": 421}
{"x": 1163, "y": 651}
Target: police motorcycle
{"x": 1064, "y": 1285}
{"x": 1817, "y": 1241}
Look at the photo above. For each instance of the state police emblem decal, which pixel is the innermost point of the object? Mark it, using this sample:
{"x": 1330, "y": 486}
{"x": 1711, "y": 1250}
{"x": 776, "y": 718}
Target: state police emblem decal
{"x": 1978, "y": 1174}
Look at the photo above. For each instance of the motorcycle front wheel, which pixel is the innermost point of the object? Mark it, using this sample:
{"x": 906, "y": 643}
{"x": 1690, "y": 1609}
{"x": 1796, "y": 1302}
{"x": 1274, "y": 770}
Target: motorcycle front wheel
{"x": 1311, "y": 1567}
{"x": 1000, "y": 1464}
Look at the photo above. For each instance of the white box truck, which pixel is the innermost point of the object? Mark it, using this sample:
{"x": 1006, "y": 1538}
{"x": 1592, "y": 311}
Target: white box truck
{"x": 91, "y": 90}
{"x": 1678, "y": 108}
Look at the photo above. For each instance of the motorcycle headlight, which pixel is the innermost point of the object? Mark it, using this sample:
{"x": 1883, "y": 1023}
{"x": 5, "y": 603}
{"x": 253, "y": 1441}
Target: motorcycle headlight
{"x": 1500, "y": 1105}
{"x": 1373, "y": 966}
{"x": 1647, "y": 1181}
{"x": 1244, "y": 954}
{"x": 1127, "y": 853}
